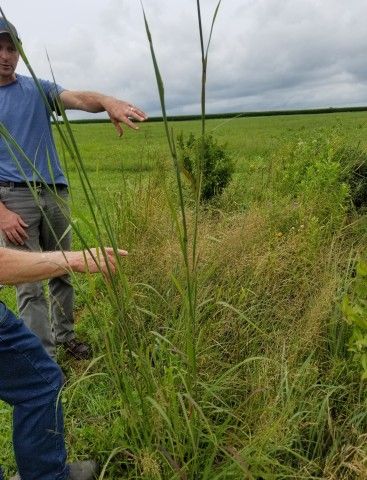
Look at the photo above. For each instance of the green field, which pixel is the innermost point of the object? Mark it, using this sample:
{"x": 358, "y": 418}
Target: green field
{"x": 261, "y": 384}
{"x": 246, "y": 138}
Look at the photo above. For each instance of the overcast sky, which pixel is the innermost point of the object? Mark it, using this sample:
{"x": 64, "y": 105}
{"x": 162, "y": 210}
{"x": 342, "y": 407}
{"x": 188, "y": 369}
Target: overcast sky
{"x": 265, "y": 54}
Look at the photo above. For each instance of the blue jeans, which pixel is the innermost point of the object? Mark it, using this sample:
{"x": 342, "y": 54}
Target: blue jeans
{"x": 30, "y": 381}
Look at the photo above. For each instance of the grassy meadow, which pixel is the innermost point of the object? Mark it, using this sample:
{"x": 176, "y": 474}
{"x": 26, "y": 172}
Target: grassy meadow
{"x": 257, "y": 382}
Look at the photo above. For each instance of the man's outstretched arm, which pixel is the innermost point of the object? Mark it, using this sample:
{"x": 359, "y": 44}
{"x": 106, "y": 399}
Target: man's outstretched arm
{"x": 119, "y": 111}
{"x": 18, "y": 267}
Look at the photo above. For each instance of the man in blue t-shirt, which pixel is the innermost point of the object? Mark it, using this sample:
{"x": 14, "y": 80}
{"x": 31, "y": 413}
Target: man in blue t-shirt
{"x": 30, "y": 380}
{"x": 35, "y": 218}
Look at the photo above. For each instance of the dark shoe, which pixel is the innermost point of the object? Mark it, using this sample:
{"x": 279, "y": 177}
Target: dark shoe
{"x": 86, "y": 470}
{"x": 78, "y": 350}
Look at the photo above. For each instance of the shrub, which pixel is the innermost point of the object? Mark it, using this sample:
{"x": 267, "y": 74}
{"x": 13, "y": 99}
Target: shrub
{"x": 354, "y": 164}
{"x": 203, "y": 155}
{"x": 355, "y": 311}
{"x": 307, "y": 175}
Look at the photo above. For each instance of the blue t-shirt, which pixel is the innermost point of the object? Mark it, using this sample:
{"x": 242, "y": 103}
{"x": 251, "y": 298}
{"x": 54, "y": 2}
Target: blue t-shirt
{"x": 25, "y": 116}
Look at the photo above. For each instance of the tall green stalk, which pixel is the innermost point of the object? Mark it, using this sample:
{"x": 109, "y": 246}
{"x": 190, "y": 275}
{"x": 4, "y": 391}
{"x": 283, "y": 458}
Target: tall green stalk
{"x": 204, "y": 60}
{"x": 204, "y": 64}
{"x": 183, "y": 227}
{"x": 189, "y": 249}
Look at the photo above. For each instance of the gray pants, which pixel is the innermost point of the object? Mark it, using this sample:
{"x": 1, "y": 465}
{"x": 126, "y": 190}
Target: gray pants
{"x": 47, "y": 217}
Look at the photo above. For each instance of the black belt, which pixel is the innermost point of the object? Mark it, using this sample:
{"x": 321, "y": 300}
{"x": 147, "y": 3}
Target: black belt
{"x": 58, "y": 186}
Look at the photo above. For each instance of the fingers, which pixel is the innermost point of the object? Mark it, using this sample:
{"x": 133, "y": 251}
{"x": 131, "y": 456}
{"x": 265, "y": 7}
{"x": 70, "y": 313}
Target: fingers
{"x": 104, "y": 260}
{"x": 123, "y": 112}
{"x": 13, "y": 226}
{"x": 22, "y": 222}
{"x": 17, "y": 235}
{"x": 130, "y": 124}
{"x": 119, "y": 251}
{"x": 110, "y": 261}
{"x": 14, "y": 239}
{"x": 137, "y": 114}
{"x": 118, "y": 127}
{"x": 126, "y": 120}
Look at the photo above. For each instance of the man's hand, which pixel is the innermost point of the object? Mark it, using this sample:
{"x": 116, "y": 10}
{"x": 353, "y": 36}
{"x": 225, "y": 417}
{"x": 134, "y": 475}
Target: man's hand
{"x": 94, "y": 261}
{"x": 13, "y": 226}
{"x": 120, "y": 111}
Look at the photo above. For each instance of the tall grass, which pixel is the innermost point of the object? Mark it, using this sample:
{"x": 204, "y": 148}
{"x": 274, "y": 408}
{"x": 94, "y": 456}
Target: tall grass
{"x": 220, "y": 350}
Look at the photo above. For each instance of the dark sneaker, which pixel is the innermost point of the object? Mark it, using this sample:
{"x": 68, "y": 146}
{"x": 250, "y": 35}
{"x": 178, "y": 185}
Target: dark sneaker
{"x": 87, "y": 470}
{"x": 78, "y": 350}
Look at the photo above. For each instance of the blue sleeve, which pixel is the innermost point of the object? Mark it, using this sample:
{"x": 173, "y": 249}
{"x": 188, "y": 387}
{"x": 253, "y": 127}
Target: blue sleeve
{"x": 51, "y": 89}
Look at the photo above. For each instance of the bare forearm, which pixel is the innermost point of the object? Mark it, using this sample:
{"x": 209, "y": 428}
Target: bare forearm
{"x": 18, "y": 267}
{"x": 119, "y": 111}
{"x": 92, "y": 102}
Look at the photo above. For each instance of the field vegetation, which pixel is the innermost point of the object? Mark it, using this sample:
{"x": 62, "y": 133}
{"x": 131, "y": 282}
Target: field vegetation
{"x": 262, "y": 385}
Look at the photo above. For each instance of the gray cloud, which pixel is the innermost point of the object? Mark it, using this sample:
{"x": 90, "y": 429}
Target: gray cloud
{"x": 264, "y": 53}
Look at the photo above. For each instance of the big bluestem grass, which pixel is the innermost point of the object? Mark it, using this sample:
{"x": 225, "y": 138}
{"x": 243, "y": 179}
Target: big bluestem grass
{"x": 233, "y": 366}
